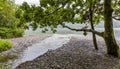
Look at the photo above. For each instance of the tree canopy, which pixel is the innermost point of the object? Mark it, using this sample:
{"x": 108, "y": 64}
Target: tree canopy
{"x": 53, "y": 13}
{"x": 7, "y": 14}
{"x": 10, "y": 26}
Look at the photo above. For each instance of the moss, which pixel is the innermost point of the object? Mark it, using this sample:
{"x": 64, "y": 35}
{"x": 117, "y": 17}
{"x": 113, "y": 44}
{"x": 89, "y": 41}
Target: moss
{"x": 6, "y": 58}
{"x": 4, "y": 66}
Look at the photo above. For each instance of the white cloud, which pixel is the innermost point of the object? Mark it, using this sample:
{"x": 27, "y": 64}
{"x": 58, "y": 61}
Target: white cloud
{"x": 28, "y": 1}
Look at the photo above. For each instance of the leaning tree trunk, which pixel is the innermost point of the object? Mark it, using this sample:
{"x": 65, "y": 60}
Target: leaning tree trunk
{"x": 112, "y": 47}
{"x": 92, "y": 27}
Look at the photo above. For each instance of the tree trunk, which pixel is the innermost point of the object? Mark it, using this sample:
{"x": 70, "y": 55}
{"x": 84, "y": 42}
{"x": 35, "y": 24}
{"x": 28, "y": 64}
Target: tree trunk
{"x": 112, "y": 47}
{"x": 92, "y": 27}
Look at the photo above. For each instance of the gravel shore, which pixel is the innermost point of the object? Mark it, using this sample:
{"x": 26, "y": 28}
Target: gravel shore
{"x": 78, "y": 53}
{"x": 21, "y": 43}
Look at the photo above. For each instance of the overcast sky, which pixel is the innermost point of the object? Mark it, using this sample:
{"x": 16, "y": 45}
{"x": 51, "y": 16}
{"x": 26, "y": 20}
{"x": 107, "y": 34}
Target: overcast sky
{"x": 29, "y": 1}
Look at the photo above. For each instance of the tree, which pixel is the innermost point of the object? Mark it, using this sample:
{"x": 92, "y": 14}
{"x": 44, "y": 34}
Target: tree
{"x": 112, "y": 47}
{"x": 7, "y": 13}
{"x": 9, "y": 24}
{"x": 57, "y": 12}
{"x": 91, "y": 23}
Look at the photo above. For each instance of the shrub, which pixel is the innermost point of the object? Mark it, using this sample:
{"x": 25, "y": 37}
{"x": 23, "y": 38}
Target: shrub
{"x": 11, "y": 32}
{"x": 5, "y": 45}
{"x": 18, "y": 32}
{"x": 3, "y": 32}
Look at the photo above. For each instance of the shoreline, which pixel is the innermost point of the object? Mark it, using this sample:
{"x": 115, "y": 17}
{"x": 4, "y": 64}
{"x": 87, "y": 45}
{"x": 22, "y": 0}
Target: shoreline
{"x": 78, "y": 53}
{"x": 20, "y": 44}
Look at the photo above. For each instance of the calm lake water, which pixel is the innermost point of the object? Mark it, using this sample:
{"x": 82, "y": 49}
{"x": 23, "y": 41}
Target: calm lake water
{"x": 61, "y": 30}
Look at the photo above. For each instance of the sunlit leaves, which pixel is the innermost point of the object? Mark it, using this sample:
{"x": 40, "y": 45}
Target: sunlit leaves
{"x": 55, "y": 12}
{"x": 116, "y": 8}
{"x": 7, "y": 13}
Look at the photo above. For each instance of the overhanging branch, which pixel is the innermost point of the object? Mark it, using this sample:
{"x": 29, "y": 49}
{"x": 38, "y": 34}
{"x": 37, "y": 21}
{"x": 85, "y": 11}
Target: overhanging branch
{"x": 56, "y": 10}
{"x": 84, "y": 29}
{"x": 116, "y": 18}
{"x": 53, "y": 12}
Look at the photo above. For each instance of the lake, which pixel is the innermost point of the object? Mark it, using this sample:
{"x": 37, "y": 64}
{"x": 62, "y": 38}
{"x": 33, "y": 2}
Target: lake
{"x": 61, "y": 30}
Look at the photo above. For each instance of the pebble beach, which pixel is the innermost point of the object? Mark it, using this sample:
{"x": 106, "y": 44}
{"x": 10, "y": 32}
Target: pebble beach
{"x": 78, "y": 53}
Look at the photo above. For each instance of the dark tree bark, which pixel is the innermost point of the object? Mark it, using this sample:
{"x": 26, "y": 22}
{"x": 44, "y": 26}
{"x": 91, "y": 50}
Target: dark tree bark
{"x": 112, "y": 47}
{"x": 92, "y": 27}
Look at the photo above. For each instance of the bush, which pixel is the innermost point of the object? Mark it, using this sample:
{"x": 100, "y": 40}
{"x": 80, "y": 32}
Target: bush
{"x": 5, "y": 45}
{"x": 18, "y": 32}
{"x": 11, "y": 32}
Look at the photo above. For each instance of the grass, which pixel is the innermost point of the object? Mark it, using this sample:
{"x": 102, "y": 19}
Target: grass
{"x": 4, "y": 66}
{"x": 6, "y": 58}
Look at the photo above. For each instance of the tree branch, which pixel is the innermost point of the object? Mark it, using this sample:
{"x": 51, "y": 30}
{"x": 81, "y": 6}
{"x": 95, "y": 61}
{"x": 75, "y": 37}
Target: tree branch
{"x": 53, "y": 12}
{"x": 84, "y": 29}
{"x": 56, "y": 9}
{"x": 116, "y": 18}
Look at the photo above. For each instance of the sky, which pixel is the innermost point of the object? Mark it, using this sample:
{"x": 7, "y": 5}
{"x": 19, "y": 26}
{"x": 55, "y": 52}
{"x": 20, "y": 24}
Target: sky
{"x": 29, "y": 1}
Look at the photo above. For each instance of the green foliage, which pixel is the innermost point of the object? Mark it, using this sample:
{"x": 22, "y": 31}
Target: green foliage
{"x": 18, "y": 32}
{"x": 3, "y": 66}
{"x": 7, "y": 58}
{"x": 7, "y": 13}
{"x": 5, "y": 45}
{"x": 11, "y": 33}
{"x": 52, "y": 13}
{"x": 116, "y": 8}
{"x": 10, "y": 26}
